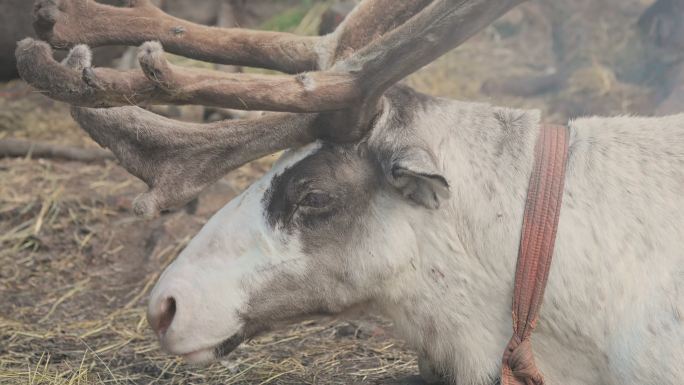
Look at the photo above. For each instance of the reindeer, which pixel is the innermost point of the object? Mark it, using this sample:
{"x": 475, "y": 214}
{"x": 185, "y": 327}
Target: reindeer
{"x": 386, "y": 199}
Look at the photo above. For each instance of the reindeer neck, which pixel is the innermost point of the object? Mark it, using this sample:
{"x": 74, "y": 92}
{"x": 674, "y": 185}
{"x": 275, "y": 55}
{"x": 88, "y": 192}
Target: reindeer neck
{"x": 467, "y": 249}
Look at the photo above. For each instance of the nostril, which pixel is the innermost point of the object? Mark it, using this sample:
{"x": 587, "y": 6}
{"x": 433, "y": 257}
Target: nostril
{"x": 168, "y": 311}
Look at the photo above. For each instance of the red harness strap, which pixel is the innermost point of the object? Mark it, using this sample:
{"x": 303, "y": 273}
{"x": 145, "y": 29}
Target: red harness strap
{"x": 540, "y": 222}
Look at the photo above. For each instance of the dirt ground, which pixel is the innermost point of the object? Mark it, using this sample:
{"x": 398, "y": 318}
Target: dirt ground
{"x": 76, "y": 265}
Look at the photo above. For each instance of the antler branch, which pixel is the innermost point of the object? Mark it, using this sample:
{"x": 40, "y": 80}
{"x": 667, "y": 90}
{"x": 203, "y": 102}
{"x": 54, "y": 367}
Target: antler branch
{"x": 374, "y": 68}
{"x": 177, "y": 160}
{"x": 66, "y": 23}
{"x": 163, "y": 83}
{"x": 440, "y": 27}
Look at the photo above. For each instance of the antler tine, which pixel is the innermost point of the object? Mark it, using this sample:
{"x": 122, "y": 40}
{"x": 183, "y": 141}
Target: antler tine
{"x": 368, "y": 21}
{"x": 163, "y": 83}
{"x": 441, "y": 26}
{"x": 65, "y": 23}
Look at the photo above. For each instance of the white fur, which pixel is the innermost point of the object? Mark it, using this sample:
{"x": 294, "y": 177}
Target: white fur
{"x": 613, "y": 312}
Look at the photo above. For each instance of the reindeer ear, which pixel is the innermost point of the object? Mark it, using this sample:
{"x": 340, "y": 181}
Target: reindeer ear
{"x": 413, "y": 171}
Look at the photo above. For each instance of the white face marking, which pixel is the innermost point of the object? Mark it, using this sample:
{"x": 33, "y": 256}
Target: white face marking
{"x": 232, "y": 255}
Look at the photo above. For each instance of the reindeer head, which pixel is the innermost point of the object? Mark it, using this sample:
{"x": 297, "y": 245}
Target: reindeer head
{"x": 325, "y": 230}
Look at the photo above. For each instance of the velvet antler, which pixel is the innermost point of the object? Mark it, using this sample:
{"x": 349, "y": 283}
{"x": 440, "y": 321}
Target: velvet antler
{"x": 379, "y": 43}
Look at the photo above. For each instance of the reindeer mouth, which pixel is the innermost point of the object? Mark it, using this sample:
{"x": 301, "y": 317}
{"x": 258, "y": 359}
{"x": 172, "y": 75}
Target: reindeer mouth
{"x": 220, "y": 350}
{"x": 228, "y": 345}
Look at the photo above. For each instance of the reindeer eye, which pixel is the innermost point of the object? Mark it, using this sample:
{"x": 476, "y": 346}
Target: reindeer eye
{"x": 316, "y": 199}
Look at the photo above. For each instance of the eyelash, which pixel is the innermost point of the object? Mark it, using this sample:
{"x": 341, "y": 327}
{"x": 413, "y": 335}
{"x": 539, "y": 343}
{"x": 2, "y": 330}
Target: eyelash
{"x": 298, "y": 205}
{"x": 315, "y": 199}
{"x": 292, "y": 213}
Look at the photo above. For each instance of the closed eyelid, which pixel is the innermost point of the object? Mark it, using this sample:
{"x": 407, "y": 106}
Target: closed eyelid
{"x": 302, "y": 185}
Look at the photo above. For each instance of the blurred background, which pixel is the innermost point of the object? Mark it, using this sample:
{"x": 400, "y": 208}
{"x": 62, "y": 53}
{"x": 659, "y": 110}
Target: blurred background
{"x": 76, "y": 265}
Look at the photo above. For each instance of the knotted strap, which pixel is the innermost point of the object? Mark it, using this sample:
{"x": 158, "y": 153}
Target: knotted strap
{"x": 540, "y": 222}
